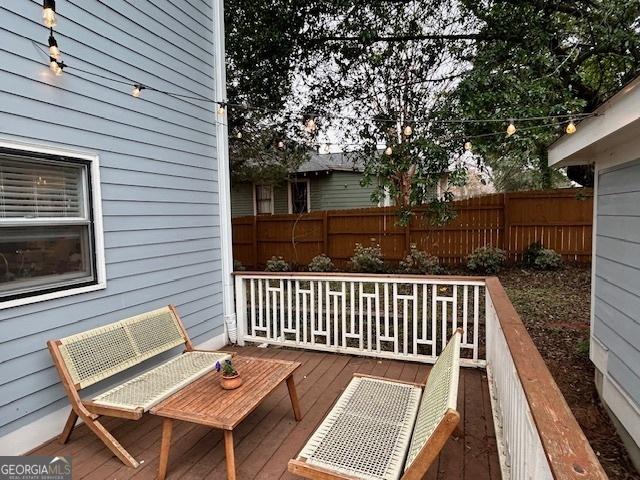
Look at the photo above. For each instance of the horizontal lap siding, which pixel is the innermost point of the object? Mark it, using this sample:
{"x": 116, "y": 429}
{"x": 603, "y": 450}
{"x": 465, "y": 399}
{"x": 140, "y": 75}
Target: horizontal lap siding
{"x": 617, "y": 289}
{"x": 241, "y": 199}
{"x": 158, "y": 171}
{"x": 339, "y": 190}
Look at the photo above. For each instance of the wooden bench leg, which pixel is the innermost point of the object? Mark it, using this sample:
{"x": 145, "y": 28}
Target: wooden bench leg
{"x": 293, "y": 394}
{"x": 231, "y": 459}
{"x": 68, "y": 427}
{"x": 111, "y": 443}
{"x": 167, "y": 428}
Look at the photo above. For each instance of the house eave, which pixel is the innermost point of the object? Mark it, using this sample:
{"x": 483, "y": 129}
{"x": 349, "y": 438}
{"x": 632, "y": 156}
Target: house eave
{"x": 615, "y": 120}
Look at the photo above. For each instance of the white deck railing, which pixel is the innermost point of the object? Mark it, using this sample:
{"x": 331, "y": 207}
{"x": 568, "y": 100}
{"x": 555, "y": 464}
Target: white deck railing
{"x": 519, "y": 445}
{"x": 408, "y": 317}
{"x": 411, "y": 318}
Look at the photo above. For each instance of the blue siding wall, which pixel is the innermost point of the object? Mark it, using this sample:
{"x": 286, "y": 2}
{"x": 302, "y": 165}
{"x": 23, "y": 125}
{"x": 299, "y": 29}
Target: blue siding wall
{"x": 158, "y": 171}
{"x": 617, "y": 288}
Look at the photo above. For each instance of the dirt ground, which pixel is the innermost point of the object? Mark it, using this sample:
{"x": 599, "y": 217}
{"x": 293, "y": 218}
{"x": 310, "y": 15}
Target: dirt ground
{"x": 555, "y": 308}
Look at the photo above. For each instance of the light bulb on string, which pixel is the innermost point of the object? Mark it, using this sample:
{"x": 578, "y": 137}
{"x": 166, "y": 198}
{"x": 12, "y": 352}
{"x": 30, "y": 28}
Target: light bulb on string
{"x": 511, "y": 129}
{"x": 310, "y": 125}
{"x": 137, "y": 89}
{"x": 280, "y": 144}
{"x": 388, "y": 151}
{"x": 49, "y": 13}
{"x": 468, "y": 146}
{"x": 55, "y": 66}
{"x": 407, "y": 131}
{"x": 54, "y": 51}
{"x": 571, "y": 127}
{"x": 239, "y": 135}
{"x": 221, "y": 110}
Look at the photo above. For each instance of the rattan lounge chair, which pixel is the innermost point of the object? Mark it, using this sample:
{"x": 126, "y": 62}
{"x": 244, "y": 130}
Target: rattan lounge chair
{"x": 383, "y": 429}
{"x": 95, "y": 355}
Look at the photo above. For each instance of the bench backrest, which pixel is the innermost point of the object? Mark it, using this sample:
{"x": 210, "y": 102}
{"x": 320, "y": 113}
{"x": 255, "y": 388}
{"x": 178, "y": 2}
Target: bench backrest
{"x": 99, "y": 353}
{"x": 437, "y": 415}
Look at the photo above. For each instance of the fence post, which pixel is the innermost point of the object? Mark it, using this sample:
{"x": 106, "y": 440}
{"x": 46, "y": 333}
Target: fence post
{"x": 254, "y": 240}
{"x": 506, "y": 227}
{"x": 407, "y": 238}
{"x": 325, "y": 232}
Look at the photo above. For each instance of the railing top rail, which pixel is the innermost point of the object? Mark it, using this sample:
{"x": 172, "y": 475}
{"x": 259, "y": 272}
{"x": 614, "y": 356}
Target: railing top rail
{"x": 369, "y": 277}
{"x": 567, "y": 449}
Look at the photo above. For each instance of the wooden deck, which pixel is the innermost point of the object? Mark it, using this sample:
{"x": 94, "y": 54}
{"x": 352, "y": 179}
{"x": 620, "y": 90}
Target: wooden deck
{"x": 269, "y": 437}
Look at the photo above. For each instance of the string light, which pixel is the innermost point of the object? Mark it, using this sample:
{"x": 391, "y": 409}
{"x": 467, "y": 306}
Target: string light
{"x": 55, "y": 66}
{"x": 310, "y": 125}
{"x": 137, "y": 89}
{"x": 239, "y": 135}
{"x": 280, "y": 144}
{"x": 468, "y": 146}
{"x": 54, "y": 51}
{"x": 511, "y": 129}
{"x": 571, "y": 128}
{"x": 407, "y": 131}
{"x": 388, "y": 151}
{"x": 221, "y": 110}
{"x": 49, "y": 13}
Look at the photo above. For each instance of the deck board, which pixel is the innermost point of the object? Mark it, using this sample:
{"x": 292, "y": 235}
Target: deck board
{"x": 269, "y": 437}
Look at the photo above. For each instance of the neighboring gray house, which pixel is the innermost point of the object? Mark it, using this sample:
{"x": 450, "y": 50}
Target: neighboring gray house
{"x": 110, "y": 205}
{"x": 611, "y": 141}
{"x": 328, "y": 181}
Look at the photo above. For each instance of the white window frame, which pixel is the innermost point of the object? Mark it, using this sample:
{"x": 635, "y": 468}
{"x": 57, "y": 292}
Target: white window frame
{"x": 255, "y": 198}
{"x": 98, "y": 230}
{"x": 290, "y": 192}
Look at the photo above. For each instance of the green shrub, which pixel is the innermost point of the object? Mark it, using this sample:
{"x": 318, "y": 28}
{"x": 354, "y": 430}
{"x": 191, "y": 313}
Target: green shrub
{"x": 367, "y": 259}
{"x": 238, "y": 266}
{"x": 531, "y": 253}
{"x": 321, "y": 263}
{"x": 419, "y": 261}
{"x": 548, "y": 259}
{"x": 277, "y": 264}
{"x": 583, "y": 347}
{"x": 486, "y": 260}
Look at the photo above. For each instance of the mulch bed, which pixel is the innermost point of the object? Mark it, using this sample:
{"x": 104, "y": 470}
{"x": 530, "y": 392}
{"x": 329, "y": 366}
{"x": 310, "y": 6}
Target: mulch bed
{"x": 555, "y": 309}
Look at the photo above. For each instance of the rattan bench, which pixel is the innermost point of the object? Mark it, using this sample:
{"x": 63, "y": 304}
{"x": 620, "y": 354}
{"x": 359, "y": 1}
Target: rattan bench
{"x": 95, "y": 355}
{"x": 383, "y": 429}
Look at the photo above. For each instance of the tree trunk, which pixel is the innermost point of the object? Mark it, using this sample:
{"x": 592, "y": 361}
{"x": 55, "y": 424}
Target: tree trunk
{"x": 546, "y": 174}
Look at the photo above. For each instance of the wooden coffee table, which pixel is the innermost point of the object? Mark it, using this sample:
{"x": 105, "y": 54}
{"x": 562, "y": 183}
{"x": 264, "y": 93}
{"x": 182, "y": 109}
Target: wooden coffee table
{"x": 206, "y": 403}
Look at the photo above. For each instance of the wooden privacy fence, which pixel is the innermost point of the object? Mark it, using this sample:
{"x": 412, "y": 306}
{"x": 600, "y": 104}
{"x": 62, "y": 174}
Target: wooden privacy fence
{"x": 559, "y": 219}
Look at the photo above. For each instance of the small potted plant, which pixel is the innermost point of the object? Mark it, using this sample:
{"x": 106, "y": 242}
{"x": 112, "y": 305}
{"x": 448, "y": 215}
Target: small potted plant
{"x": 230, "y": 376}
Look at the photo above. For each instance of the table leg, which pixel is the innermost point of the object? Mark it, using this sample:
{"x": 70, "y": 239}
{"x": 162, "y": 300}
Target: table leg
{"x": 167, "y": 428}
{"x": 294, "y": 398}
{"x": 231, "y": 459}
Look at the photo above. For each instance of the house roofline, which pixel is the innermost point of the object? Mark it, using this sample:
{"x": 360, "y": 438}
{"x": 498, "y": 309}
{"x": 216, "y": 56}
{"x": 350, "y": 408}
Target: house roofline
{"x": 609, "y": 117}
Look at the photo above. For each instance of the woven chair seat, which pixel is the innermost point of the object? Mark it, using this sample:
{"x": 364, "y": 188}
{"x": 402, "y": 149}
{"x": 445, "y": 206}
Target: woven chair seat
{"x": 368, "y": 431}
{"x": 153, "y": 386}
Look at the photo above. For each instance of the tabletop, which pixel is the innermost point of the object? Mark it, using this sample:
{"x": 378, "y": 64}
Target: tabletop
{"x": 205, "y": 402}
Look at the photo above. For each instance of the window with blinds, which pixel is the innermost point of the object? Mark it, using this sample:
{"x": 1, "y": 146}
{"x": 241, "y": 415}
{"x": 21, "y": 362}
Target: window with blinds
{"x": 46, "y": 237}
{"x": 264, "y": 199}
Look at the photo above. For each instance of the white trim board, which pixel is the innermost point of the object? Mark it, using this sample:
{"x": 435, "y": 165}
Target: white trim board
{"x": 40, "y": 431}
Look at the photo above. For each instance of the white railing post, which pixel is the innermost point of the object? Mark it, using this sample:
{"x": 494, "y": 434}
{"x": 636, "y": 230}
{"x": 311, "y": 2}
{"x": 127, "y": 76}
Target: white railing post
{"x": 241, "y": 310}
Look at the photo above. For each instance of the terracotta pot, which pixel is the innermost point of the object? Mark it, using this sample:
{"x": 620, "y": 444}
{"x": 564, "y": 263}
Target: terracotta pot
{"x": 230, "y": 383}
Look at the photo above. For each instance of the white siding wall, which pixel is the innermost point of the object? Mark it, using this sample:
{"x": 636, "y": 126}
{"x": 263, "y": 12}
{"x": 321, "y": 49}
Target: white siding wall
{"x": 158, "y": 170}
